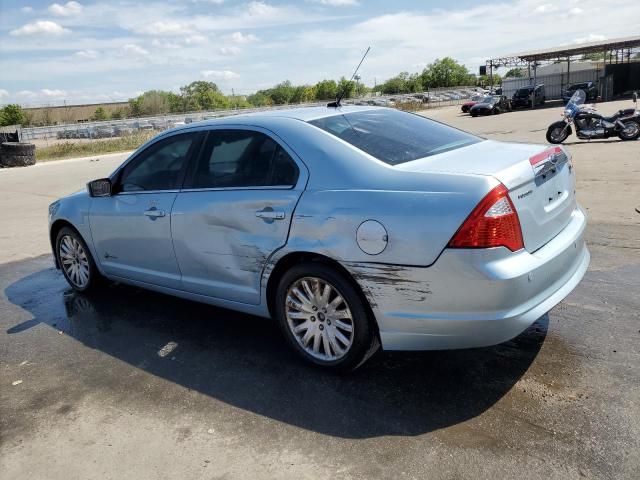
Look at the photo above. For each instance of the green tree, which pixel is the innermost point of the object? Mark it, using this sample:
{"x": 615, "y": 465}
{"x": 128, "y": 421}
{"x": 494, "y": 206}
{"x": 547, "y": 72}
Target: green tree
{"x": 595, "y": 56}
{"x": 486, "y": 80}
{"x": 515, "y": 73}
{"x": 282, "y": 93}
{"x": 119, "y": 113}
{"x": 302, "y": 93}
{"x": 404, "y": 82}
{"x": 100, "y": 114}
{"x": 346, "y": 88}
{"x": 201, "y": 95}
{"x": 12, "y": 114}
{"x": 326, "y": 90}
{"x": 445, "y": 72}
{"x": 259, "y": 99}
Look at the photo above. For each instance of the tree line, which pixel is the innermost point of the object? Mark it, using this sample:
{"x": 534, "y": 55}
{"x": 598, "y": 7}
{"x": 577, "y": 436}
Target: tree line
{"x": 205, "y": 96}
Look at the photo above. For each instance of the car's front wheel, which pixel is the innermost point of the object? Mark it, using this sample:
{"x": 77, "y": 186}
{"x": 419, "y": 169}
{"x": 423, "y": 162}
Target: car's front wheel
{"x": 324, "y": 318}
{"x": 75, "y": 260}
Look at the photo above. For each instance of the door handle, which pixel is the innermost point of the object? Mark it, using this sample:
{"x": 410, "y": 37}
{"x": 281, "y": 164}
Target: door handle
{"x": 270, "y": 214}
{"x": 154, "y": 213}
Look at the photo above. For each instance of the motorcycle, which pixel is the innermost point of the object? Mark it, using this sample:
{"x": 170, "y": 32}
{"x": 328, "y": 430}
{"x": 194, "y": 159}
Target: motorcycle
{"x": 590, "y": 124}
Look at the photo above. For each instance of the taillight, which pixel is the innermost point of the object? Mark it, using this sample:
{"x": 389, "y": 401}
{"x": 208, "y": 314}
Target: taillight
{"x": 493, "y": 223}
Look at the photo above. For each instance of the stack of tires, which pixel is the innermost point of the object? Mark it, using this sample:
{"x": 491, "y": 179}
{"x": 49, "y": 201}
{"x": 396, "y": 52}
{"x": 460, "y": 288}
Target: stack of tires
{"x": 17, "y": 154}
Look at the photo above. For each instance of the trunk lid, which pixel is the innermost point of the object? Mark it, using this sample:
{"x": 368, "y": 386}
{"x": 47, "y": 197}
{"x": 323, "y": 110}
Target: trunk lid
{"x": 539, "y": 178}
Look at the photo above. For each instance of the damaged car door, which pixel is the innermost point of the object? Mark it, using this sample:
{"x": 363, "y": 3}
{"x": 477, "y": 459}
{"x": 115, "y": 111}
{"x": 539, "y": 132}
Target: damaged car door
{"x": 234, "y": 210}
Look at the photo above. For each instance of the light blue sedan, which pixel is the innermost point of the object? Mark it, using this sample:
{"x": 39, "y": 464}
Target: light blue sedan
{"x": 352, "y": 227}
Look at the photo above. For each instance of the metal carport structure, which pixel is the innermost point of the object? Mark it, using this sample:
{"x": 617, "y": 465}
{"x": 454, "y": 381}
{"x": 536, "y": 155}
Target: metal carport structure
{"x": 615, "y": 50}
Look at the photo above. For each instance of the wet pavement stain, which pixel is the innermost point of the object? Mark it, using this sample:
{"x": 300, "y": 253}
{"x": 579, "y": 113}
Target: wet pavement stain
{"x": 541, "y": 397}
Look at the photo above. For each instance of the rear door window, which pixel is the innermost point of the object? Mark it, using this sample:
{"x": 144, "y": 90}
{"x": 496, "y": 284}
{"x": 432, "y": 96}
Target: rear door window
{"x": 241, "y": 159}
{"x": 393, "y": 136}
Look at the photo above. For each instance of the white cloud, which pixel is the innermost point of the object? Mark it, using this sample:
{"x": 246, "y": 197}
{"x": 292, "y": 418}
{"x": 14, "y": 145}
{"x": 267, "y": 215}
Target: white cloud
{"x": 166, "y": 27}
{"x": 133, "y": 50}
{"x": 3, "y": 93}
{"x": 165, "y": 44}
{"x": 230, "y": 50}
{"x": 338, "y": 3}
{"x": 195, "y": 39}
{"x": 66, "y": 10}
{"x": 45, "y": 27}
{"x": 546, "y": 8}
{"x": 87, "y": 54}
{"x": 576, "y": 11}
{"x": 26, "y": 9}
{"x": 45, "y": 92}
{"x": 240, "y": 38}
{"x": 593, "y": 37}
{"x": 220, "y": 74}
{"x": 261, "y": 9}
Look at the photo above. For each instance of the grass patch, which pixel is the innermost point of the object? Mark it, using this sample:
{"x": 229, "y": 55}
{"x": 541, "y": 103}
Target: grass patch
{"x": 94, "y": 147}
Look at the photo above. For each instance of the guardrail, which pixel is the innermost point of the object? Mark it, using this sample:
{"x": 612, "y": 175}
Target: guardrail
{"x": 90, "y": 130}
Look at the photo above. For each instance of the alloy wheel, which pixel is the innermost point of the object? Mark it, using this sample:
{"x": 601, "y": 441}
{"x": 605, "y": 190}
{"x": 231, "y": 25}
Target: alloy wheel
{"x": 74, "y": 261}
{"x": 319, "y": 318}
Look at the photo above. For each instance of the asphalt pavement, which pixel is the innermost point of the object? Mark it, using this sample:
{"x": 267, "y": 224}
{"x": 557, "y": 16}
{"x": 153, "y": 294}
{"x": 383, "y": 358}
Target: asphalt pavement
{"x": 132, "y": 384}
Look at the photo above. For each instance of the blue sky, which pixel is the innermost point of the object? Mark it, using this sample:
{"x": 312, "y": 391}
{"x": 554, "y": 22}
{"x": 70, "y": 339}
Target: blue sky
{"x": 105, "y": 50}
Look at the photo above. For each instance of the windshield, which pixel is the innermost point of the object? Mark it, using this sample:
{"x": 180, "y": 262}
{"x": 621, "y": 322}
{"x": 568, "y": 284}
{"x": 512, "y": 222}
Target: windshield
{"x": 394, "y": 137}
{"x": 523, "y": 92}
{"x": 487, "y": 99}
{"x": 578, "y": 97}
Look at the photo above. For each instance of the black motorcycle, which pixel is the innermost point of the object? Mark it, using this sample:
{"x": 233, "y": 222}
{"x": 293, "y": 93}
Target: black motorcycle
{"x": 589, "y": 124}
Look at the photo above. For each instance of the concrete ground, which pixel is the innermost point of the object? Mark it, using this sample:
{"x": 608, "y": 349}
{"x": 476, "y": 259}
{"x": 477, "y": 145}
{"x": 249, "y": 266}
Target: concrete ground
{"x": 132, "y": 384}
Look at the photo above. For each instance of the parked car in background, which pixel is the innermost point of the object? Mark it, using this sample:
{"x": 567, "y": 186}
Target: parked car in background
{"x": 589, "y": 88}
{"x": 143, "y": 125}
{"x": 103, "y": 131}
{"x": 491, "y": 105}
{"x": 467, "y": 105}
{"x": 522, "y": 97}
{"x": 83, "y": 133}
{"x": 301, "y": 215}
{"x": 121, "y": 130}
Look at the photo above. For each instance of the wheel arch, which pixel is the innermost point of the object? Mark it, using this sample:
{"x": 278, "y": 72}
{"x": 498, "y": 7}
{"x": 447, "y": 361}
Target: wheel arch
{"x": 290, "y": 259}
{"x": 56, "y": 226}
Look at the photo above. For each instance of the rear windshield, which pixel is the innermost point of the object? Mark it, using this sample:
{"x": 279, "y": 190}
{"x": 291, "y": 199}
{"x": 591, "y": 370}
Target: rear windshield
{"x": 393, "y": 136}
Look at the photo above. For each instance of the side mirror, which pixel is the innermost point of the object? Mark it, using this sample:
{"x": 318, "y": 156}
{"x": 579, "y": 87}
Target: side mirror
{"x": 100, "y": 188}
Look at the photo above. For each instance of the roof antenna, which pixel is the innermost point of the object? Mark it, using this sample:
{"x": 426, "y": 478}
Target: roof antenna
{"x": 336, "y": 104}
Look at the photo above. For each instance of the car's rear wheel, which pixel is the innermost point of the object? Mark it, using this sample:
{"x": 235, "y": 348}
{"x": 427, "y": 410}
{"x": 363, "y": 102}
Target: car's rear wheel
{"x": 324, "y": 318}
{"x": 75, "y": 260}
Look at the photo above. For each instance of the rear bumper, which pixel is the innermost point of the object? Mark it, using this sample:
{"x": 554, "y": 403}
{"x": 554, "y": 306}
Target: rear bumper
{"x": 473, "y": 298}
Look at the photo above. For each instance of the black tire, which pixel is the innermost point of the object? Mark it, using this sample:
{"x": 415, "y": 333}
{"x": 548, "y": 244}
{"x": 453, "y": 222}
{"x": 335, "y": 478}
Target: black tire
{"x": 18, "y": 148}
{"x": 630, "y": 136}
{"x": 94, "y": 277}
{"x": 364, "y": 339}
{"x": 11, "y": 160}
{"x": 556, "y": 139}
{"x": 474, "y": 114}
